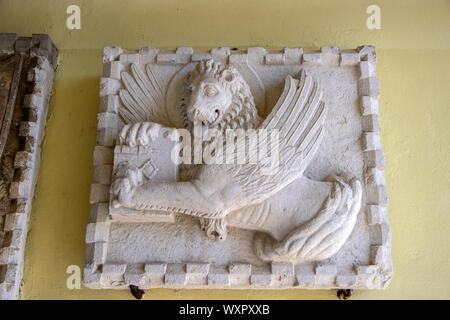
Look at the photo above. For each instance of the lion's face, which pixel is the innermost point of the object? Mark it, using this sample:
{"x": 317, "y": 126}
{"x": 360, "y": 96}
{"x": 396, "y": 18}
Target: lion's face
{"x": 220, "y": 98}
{"x": 209, "y": 102}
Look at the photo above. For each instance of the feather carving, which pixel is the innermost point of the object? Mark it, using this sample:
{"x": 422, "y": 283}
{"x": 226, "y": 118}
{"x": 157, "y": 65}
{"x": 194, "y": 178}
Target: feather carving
{"x": 143, "y": 95}
{"x": 323, "y": 235}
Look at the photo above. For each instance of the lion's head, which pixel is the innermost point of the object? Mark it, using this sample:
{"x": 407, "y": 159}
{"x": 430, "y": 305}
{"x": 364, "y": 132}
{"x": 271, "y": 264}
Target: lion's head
{"x": 220, "y": 98}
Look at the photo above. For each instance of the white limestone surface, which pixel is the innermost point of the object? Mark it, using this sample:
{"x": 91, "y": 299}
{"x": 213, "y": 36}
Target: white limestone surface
{"x": 318, "y": 221}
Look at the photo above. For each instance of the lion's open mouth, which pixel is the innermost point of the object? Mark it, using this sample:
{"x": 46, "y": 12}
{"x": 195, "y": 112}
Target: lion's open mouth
{"x": 216, "y": 117}
{"x": 207, "y": 121}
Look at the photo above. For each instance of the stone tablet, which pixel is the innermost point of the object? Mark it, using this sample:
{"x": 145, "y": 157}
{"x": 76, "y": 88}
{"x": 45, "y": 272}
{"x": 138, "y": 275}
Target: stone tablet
{"x": 238, "y": 169}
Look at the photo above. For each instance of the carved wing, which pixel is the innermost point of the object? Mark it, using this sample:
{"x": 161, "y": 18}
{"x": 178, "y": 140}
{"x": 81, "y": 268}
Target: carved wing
{"x": 298, "y": 116}
{"x": 143, "y": 96}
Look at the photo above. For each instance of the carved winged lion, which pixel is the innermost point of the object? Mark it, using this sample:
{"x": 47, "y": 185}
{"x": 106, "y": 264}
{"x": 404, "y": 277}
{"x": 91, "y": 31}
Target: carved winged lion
{"x": 218, "y": 97}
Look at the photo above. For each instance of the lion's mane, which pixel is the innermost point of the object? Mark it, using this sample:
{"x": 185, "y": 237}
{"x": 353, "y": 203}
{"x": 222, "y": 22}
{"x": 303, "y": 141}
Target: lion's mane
{"x": 242, "y": 112}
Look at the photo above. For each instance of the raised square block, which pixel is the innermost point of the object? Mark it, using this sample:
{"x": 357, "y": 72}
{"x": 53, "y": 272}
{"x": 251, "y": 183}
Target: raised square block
{"x": 218, "y": 276}
{"x": 155, "y": 273}
{"x": 14, "y": 221}
{"x": 109, "y": 86}
{"x": 111, "y": 53}
{"x": 23, "y": 159}
{"x": 106, "y": 136}
{"x": 376, "y": 214}
{"x": 175, "y": 274}
{"x": 282, "y": 268}
{"x": 148, "y": 55}
{"x": 367, "y": 53}
{"x": 107, "y": 120}
{"x": 33, "y": 101}
{"x": 99, "y": 193}
{"x": 28, "y": 129}
{"x": 183, "y": 54}
{"x": 293, "y": 55}
{"x": 330, "y": 55}
{"x": 256, "y": 55}
{"x": 375, "y": 159}
{"x": 260, "y": 277}
{"x": 371, "y": 141}
{"x": 19, "y": 190}
{"x": 103, "y": 155}
{"x": 369, "y": 105}
{"x": 135, "y": 275}
{"x": 220, "y": 54}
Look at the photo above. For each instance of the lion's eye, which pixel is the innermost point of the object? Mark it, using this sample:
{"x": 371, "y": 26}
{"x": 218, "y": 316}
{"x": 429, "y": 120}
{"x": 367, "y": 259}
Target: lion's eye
{"x": 210, "y": 91}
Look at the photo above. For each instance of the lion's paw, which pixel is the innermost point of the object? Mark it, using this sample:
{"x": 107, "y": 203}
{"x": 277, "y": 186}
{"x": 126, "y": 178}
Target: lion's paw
{"x": 122, "y": 190}
{"x": 139, "y": 134}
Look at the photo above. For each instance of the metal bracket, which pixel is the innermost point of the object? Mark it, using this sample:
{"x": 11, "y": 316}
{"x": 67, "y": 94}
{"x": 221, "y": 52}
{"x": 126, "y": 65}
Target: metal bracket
{"x": 136, "y": 292}
{"x": 344, "y": 294}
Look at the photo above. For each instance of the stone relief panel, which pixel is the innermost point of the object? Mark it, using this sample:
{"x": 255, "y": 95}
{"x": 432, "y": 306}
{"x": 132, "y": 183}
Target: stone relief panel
{"x": 230, "y": 168}
{"x": 27, "y": 66}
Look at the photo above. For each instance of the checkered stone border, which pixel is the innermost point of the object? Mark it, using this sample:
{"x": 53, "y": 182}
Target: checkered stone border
{"x": 101, "y": 275}
{"x": 42, "y": 54}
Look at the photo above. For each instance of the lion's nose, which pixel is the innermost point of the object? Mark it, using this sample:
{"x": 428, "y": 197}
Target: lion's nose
{"x": 193, "y": 113}
{"x": 197, "y": 114}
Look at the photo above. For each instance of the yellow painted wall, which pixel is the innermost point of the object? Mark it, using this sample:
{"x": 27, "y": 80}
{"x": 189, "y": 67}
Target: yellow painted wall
{"x": 413, "y": 48}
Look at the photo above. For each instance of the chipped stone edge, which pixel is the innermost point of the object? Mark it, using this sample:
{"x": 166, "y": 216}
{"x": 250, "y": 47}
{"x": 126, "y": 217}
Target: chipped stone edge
{"x": 379, "y": 273}
{"x": 26, "y": 161}
{"x": 376, "y": 275}
{"x": 114, "y": 57}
